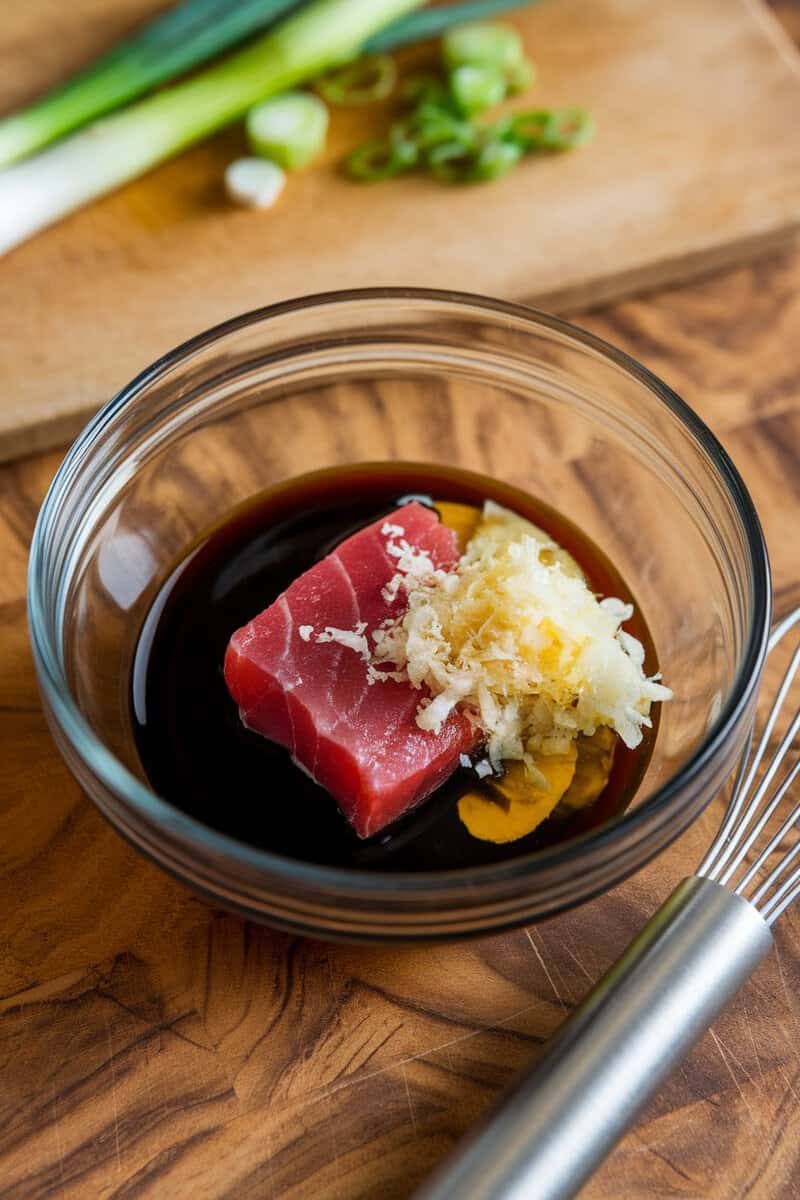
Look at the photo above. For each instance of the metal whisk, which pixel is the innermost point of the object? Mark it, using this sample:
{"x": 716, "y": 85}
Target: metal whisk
{"x": 549, "y": 1134}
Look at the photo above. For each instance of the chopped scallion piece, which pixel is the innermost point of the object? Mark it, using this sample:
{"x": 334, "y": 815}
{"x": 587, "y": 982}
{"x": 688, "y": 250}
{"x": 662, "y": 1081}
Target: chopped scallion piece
{"x": 482, "y": 44}
{"x": 529, "y": 129}
{"x": 452, "y": 162}
{"x": 382, "y": 159}
{"x": 254, "y": 182}
{"x": 571, "y": 127}
{"x": 520, "y": 77}
{"x": 495, "y": 159}
{"x": 556, "y": 129}
{"x": 359, "y": 82}
{"x": 431, "y": 124}
{"x": 289, "y": 129}
{"x": 444, "y": 131}
{"x": 426, "y": 88}
{"x": 476, "y": 87}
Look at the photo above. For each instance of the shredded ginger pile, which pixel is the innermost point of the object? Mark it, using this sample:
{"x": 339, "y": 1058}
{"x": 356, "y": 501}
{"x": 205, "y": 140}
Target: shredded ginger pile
{"x": 515, "y": 638}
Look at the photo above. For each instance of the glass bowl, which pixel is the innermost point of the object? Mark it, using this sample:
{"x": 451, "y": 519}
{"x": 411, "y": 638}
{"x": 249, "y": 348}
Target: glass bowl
{"x": 399, "y": 374}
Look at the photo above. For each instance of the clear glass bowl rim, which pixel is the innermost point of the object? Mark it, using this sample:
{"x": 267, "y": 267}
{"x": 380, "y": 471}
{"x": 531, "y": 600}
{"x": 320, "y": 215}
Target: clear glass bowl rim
{"x": 159, "y": 814}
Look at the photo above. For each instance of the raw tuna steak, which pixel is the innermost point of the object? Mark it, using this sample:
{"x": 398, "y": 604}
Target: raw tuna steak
{"x": 358, "y": 740}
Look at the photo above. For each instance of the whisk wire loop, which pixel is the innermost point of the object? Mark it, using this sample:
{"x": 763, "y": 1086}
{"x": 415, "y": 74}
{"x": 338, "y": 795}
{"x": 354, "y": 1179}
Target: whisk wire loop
{"x": 755, "y": 805}
{"x": 786, "y": 894}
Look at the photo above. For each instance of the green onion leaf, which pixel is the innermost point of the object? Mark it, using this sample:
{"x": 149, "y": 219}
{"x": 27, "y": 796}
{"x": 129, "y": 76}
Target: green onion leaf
{"x": 483, "y": 44}
{"x": 361, "y": 82}
{"x": 475, "y": 88}
{"x": 289, "y": 129}
{"x": 433, "y": 22}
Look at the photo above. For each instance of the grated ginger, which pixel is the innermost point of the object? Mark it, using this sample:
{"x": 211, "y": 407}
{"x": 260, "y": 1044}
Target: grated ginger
{"x": 515, "y": 637}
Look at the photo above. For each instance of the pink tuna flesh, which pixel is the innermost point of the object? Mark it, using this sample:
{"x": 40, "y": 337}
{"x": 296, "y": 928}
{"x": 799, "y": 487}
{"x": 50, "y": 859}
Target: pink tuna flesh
{"x": 359, "y": 740}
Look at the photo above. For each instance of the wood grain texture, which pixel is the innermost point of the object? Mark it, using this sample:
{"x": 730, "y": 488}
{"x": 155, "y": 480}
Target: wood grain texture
{"x": 696, "y": 164}
{"x": 151, "y": 1047}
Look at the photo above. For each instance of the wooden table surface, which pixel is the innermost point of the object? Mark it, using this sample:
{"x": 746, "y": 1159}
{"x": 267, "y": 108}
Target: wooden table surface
{"x": 152, "y": 1047}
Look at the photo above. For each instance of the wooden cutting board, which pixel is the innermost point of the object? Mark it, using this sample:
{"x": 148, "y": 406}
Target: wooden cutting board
{"x": 696, "y": 163}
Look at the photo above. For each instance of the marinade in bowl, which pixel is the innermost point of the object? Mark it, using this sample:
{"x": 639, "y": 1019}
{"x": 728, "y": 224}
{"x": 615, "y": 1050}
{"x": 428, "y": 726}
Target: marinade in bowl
{"x": 198, "y": 754}
{"x": 395, "y": 376}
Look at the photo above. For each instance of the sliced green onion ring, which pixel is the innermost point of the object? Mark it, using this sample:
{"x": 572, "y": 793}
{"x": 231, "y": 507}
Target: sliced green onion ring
{"x": 476, "y": 87}
{"x": 289, "y": 129}
{"x": 425, "y": 88}
{"x": 521, "y": 76}
{"x": 571, "y": 127}
{"x": 371, "y": 78}
{"x": 383, "y": 159}
{"x": 453, "y": 162}
{"x": 495, "y": 158}
{"x": 556, "y": 129}
{"x": 431, "y": 124}
{"x": 482, "y": 43}
{"x": 405, "y": 148}
{"x": 529, "y": 129}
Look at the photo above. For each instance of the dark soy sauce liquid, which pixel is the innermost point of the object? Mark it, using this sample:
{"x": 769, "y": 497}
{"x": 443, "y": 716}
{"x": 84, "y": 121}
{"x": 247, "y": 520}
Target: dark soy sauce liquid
{"x": 193, "y": 747}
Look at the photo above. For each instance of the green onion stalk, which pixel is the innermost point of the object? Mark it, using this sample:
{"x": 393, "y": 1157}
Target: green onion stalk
{"x": 110, "y": 152}
{"x": 183, "y": 38}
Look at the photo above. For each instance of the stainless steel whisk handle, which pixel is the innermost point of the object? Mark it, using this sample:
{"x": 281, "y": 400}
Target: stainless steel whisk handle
{"x": 548, "y": 1135}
